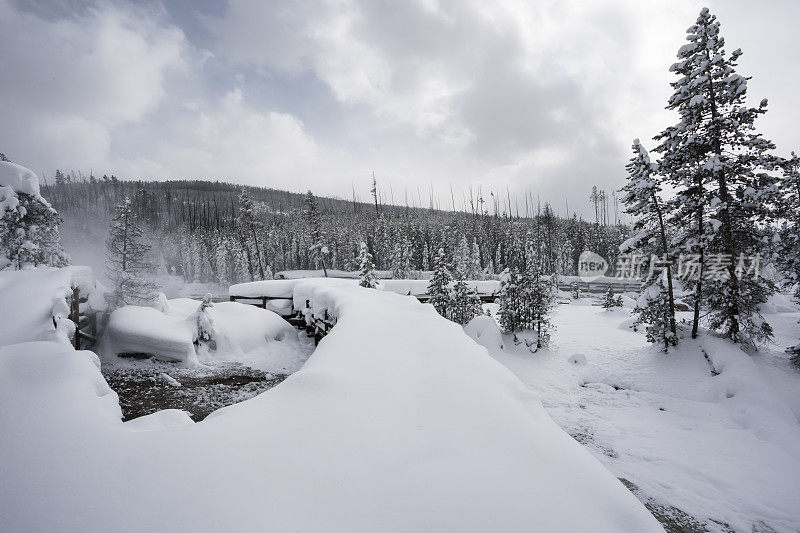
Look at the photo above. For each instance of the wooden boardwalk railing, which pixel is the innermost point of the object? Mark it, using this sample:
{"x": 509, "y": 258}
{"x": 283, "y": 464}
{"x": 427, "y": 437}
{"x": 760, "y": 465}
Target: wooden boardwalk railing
{"x": 85, "y": 322}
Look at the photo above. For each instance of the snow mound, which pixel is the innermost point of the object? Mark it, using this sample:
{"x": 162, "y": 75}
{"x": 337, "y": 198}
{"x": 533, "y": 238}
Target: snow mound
{"x": 238, "y": 329}
{"x": 485, "y": 331}
{"x": 578, "y": 359}
{"x": 143, "y": 330}
{"x": 20, "y": 179}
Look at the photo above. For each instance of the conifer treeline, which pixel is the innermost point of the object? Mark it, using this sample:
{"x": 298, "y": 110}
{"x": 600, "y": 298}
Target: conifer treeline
{"x": 200, "y": 231}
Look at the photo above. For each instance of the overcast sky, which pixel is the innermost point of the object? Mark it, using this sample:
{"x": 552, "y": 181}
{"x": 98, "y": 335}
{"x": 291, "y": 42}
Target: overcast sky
{"x": 532, "y": 95}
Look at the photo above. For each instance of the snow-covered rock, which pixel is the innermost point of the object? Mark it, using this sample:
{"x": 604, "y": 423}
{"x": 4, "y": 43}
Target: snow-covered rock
{"x": 144, "y": 330}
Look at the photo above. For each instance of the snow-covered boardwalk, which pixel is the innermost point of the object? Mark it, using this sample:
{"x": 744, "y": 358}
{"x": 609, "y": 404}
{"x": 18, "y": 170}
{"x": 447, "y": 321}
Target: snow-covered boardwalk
{"x": 398, "y": 422}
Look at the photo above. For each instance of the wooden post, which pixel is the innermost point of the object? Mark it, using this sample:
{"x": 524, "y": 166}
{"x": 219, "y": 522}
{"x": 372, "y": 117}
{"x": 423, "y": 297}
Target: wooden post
{"x": 264, "y": 302}
{"x": 75, "y": 316}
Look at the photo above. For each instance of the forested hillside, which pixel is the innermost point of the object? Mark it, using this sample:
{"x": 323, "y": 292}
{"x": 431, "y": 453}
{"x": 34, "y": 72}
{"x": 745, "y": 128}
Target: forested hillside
{"x": 200, "y": 230}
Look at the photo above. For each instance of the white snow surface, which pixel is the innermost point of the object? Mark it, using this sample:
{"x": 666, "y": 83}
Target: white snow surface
{"x": 720, "y": 446}
{"x": 19, "y": 178}
{"x": 397, "y": 422}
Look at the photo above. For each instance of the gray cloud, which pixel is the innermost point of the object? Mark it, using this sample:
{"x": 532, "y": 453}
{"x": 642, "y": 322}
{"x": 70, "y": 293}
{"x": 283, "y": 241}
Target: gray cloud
{"x": 538, "y": 96}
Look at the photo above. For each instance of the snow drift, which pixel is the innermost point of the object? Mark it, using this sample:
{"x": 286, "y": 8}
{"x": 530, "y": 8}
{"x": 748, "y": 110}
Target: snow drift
{"x": 398, "y": 422}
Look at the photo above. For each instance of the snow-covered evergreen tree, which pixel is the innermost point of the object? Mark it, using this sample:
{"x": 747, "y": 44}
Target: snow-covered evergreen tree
{"x": 28, "y": 223}
{"x": 461, "y": 260}
{"x": 541, "y": 298}
{"x": 789, "y": 207}
{"x": 368, "y": 276}
{"x": 317, "y": 248}
{"x": 465, "y": 304}
{"x": 474, "y": 264}
{"x": 249, "y": 226}
{"x": 439, "y": 286}
{"x": 513, "y": 303}
{"x": 641, "y": 197}
{"x": 719, "y": 165}
{"x": 127, "y": 262}
{"x": 401, "y": 259}
{"x": 575, "y": 291}
{"x": 609, "y": 299}
{"x": 652, "y": 310}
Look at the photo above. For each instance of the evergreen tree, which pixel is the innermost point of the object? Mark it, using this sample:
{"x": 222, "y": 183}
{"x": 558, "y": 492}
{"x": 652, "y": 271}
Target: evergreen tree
{"x": 462, "y": 267}
{"x": 126, "y": 261}
{"x": 29, "y": 231}
{"x": 401, "y": 259}
{"x": 248, "y": 226}
{"x": 650, "y": 233}
{"x": 719, "y": 165}
{"x": 465, "y": 304}
{"x": 318, "y": 249}
{"x": 541, "y": 298}
{"x": 513, "y": 310}
{"x": 575, "y": 291}
{"x": 439, "y": 286}
{"x": 789, "y": 207}
{"x": 652, "y": 309}
{"x": 474, "y": 264}
{"x": 368, "y": 276}
{"x": 609, "y": 301}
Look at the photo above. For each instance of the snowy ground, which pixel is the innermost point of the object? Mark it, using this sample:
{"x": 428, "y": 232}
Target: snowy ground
{"x": 707, "y": 444}
{"x": 397, "y": 422}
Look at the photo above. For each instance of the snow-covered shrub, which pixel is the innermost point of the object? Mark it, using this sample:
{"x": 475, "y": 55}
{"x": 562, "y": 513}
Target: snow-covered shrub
{"x": 609, "y": 301}
{"x": 205, "y": 324}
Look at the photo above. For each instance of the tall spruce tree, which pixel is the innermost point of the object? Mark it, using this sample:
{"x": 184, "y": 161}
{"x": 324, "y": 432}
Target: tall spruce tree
{"x": 719, "y": 166}
{"x": 789, "y": 207}
{"x": 541, "y": 298}
{"x": 641, "y": 197}
{"x": 439, "y": 286}
{"x": 249, "y": 225}
{"x": 127, "y": 261}
{"x": 317, "y": 249}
